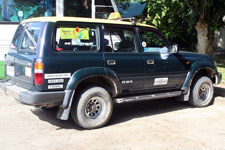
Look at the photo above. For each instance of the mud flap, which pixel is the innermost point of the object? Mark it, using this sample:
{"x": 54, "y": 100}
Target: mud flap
{"x": 64, "y": 109}
{"x": 184, "y": 97}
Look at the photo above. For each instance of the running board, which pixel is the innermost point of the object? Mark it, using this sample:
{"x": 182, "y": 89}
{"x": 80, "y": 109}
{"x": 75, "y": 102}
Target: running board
{"x": 148, "y": 97}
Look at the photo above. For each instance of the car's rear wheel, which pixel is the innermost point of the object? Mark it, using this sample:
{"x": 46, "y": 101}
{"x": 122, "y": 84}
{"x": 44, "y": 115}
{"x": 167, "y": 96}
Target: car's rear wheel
{"x": 92, "y": 108}
{"x": 202, "y": 92}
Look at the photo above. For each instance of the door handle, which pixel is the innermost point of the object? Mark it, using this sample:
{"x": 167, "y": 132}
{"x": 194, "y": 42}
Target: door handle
{"x": 111, "y": 62}
{"x": 150, "y": 62}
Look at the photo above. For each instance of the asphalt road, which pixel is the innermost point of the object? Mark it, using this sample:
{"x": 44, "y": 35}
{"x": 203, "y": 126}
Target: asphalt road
{"x": 160, "y": 124}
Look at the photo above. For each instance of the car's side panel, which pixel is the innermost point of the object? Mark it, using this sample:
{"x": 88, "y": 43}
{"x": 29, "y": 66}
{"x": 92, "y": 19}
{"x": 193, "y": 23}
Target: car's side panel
{"x": 129, "y": 69}
{"x": 169, "y": 69}
{"x": 199, "y": 65}
{"x": 164, "y": 70}
{"x": 86, "y": 73}
{"x": 121, "y": 55}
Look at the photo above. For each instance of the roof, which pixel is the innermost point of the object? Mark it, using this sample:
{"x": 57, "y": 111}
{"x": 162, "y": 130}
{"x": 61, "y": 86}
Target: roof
{"x": 131, "y": 9}
{"x": 79, "y": 19}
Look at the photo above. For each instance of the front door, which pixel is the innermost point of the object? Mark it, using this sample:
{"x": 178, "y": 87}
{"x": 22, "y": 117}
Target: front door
{"x": 163, "y": 69}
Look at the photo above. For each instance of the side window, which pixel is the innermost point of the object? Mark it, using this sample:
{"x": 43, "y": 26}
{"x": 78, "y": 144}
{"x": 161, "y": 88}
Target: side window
{"x": 17, "y": 37}
{"x": 30, "y": 38}
{"x": 119, "y": 40}
{"x": 77, "y": 38}
{"x": 151, "y": 41}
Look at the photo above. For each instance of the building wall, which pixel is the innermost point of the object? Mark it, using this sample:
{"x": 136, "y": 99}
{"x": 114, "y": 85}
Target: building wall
{"x": 7, "y": 31}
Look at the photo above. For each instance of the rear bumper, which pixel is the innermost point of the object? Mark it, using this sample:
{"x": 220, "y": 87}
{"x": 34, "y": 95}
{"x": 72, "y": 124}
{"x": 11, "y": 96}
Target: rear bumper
{"x": 33, "y": 98}
{"x": 218, "y": 77}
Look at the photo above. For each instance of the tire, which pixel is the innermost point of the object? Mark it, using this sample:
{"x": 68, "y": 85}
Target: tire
{"x": 202, "y": 92}
{"x": 92, "y": 108}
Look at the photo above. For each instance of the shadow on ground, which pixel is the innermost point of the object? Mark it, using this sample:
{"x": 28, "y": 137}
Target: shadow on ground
{"x": 219, "y": 91}
{"x": 127, "y": 111}
{"x": 121, "y": 113}
{"x": 50, "y": 117}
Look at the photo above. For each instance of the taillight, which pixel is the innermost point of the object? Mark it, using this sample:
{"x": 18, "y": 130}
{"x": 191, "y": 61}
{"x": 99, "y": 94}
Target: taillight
{"x": 38, "y": 73}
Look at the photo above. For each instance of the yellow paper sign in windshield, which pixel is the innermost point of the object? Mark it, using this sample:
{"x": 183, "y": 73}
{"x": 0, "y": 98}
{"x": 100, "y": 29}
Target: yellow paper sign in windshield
{"x": 74, "y": 33}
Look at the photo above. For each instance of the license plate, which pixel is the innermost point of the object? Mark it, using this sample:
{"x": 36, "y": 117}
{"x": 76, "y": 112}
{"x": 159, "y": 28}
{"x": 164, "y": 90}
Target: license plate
{"x": 28, "y": 71}
{"x": 10, "y": 71}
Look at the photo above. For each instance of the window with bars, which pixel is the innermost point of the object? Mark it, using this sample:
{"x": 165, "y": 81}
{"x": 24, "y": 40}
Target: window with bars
{"x": 88, "y": 8}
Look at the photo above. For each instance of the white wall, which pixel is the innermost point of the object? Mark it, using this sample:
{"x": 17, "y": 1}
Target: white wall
{"x": 6, "y": 34}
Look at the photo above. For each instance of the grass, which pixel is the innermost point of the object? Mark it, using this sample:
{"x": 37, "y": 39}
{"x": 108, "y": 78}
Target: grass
{"x": 2, "y": 70}
{"x": 221, "y": 67}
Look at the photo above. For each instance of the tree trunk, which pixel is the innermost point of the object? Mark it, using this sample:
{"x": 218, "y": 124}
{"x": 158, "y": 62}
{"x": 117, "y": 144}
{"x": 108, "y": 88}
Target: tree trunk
{"x": 204, "y": 45}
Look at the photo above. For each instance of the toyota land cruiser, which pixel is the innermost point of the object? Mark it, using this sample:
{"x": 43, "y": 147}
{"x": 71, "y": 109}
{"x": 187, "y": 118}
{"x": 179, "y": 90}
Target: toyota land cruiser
{"x": 84, "y": 65}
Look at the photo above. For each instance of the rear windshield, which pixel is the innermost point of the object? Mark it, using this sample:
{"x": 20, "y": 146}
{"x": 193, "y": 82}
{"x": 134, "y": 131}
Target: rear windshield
{"x": 26, "y": 37}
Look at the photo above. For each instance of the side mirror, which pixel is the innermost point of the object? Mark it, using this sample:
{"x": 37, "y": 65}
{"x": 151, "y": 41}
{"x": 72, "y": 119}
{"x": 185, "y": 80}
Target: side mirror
{"x": 174, "y": 48}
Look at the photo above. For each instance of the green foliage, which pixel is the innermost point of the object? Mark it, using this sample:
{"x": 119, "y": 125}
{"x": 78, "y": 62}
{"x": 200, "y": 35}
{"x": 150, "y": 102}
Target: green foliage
{"x": 2, "y": 70}
{"x": 29, "y": 8}
{"x": 170, "y": 18}
{"x": 209, "y": 12}
{"x": 177, "y": 19}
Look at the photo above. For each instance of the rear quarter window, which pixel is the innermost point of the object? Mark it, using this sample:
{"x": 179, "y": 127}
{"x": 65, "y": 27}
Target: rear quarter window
{"x": 17, "y": 37}
{"x": 76, "y": 38}
{"x": 30, "y": 38}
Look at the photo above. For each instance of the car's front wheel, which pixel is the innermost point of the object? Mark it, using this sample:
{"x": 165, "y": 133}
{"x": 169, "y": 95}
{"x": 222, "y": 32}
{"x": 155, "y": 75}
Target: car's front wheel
{"x": 202, "y": 92}
{"x": 92, "y": 108}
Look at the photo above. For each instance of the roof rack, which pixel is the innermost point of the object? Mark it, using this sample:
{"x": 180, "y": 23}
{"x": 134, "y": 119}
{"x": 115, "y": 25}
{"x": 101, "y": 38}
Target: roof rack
{"x": 132, "y": 20}
{"x": 117, "y": 16}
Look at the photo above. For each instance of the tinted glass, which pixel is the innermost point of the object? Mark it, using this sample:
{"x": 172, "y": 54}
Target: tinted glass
{"x": 119, "y": 40}
{"x": 77, "y": 8}
{"x": 17, "y": 37}
{"x": 77, "y": 38}
{"x": 31, "y": 37}
{"x": 151, "y": 41}
{"x": 103, "y": 2}
{"x": 18, "y": 10}
{"x": 103, "y": 12}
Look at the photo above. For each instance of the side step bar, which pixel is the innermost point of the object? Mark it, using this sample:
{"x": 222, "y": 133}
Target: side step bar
{"x": 148, "y": 97}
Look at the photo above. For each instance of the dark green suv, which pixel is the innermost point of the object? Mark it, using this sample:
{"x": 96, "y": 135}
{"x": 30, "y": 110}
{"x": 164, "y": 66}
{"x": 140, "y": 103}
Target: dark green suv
{"x": 83, "y": 66}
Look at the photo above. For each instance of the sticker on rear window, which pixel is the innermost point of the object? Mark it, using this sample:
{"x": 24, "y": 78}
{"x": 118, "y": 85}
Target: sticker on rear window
{"x": 74, "y": 33}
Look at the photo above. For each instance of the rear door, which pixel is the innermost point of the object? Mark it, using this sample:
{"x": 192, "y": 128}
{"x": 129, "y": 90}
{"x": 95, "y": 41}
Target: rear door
{"x": 122, "y": 56}
{"x": 76, "y": 47}
{"x": 22, "y": 54}
{"x": 12, "y": 52}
